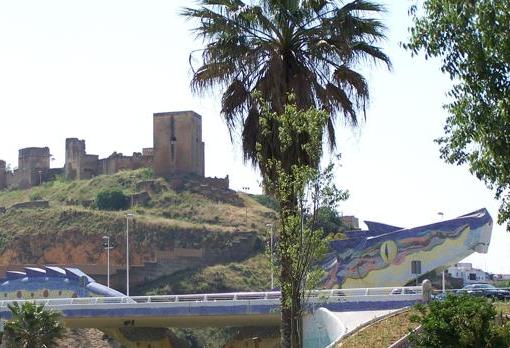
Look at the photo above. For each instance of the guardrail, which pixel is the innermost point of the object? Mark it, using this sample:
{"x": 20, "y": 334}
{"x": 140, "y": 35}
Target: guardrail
{"x": 437, "y": 291}
{"x": 313, "y": 297}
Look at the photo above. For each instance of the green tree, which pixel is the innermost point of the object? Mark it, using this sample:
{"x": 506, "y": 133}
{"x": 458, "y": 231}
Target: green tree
{"x": 301, "y": 190}
{"x": 111, "y": 199}
{"x": 472, "y": 40}
{"x": 329, "y": 220}
{"x": 32, "y": 326}
{"x": 460, "y": 322}
{"x": 309, "y": 49}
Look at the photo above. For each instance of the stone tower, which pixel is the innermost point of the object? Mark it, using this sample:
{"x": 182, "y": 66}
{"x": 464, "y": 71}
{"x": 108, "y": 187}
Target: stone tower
{"x": 178, "y": 146}
{"x": 33, "y": 166}
{"x": 3, "y": 180}
{"x": 75, "y": 149}
{"x": 34, "y": 158}
{"x": 79, "y": 165}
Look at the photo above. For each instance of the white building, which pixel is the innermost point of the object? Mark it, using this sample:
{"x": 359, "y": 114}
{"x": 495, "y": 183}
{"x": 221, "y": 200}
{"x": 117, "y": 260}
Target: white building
{"x": 502, "y": 277}
{"x": 468, "y": 274}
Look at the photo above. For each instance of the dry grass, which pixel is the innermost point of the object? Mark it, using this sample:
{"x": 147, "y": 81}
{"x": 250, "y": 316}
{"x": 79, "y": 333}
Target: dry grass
{"x": 381, "y": 334}
{"x": 252, "y": 274}
{"x": 167, "y": 208}
{"x": 503, "y": 307}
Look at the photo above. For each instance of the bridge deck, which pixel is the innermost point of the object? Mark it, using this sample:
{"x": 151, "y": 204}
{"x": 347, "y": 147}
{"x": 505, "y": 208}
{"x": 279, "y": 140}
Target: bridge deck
{"x": 235, "y": 309}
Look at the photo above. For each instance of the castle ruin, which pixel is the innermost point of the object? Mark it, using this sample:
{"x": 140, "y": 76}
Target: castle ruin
{"x": 178, "y": 149}
{"x": 81, "y": 166}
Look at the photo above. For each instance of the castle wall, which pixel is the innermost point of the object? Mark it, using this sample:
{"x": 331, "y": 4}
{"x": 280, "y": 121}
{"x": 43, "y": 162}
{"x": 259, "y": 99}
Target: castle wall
{"x": 3, "y": 174}
{"x": 178, "y": 146}
{"x": 117, "y": 162}
{"x": 88, "y": 167}
{"x": 148, "y": 151}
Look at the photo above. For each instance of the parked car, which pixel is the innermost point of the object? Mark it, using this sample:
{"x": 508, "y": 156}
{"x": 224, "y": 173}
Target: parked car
{"x": 486, "y": 290}
{"x": 398, "y": 291}
{"x": 440, "y": 296}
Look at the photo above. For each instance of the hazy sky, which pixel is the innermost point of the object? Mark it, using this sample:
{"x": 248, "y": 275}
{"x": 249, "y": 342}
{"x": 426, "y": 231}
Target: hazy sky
{"x": 98, "y": 70}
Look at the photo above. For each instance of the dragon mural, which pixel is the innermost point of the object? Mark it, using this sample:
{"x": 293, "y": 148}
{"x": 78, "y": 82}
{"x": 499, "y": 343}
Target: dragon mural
{"x": 51, "y": 282}
{"x": 382, "y": 255}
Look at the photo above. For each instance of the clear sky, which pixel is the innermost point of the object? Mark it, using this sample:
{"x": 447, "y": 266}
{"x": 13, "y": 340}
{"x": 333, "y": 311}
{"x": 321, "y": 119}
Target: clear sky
{"x": 98, "y": 70}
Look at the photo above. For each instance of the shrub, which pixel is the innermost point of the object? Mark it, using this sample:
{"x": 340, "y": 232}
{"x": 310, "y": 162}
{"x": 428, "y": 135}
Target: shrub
{"x": 267, "y": 201}
{"x": 147, "y": 173}
{"x": 33, "y": 326}
{"x": 112, "y": 199}
{"x": 460, "y": 322}
{"x": 35, "y": 196}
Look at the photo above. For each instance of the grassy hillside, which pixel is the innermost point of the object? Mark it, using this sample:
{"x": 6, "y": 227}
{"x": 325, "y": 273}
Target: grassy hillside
{"x": 230, "y": 226}
{"x": 252, "y": 274}
{"x": 164, "y": 205}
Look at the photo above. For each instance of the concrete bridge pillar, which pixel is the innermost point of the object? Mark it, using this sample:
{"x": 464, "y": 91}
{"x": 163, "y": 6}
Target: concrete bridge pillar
{"x": 426, "y": 290}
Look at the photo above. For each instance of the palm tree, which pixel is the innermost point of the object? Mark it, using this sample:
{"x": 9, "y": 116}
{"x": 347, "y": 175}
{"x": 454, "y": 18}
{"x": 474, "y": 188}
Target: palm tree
{"x": 305, "y": 48}
{"x": 301, "y": 52}
{"x": 32, "y": 326}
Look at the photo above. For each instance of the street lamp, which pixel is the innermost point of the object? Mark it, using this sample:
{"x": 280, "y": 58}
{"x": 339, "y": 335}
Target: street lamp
{"x": 245, "y": 189}
{"x": 128, "y": 215}
{"x": 40, "y": 177}
{"x": 271, "y": 256}
{"x": 106, "y": 245}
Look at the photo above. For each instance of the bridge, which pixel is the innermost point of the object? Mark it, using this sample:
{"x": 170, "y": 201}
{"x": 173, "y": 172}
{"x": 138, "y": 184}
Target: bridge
{"x": 230, "y": 309}
{"x": 209, "y": 310}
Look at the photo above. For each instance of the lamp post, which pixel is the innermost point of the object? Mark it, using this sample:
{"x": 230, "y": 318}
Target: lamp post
{"x": 245, "y": 189}
{"x": 271, "y": 256}
{"x": 106, "y": 245}
{"x": 40, "y": 177}
{"x": 128, "y": 215}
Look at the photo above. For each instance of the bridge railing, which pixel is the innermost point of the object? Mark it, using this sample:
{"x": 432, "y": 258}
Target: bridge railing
{"x": 314, "y": 296}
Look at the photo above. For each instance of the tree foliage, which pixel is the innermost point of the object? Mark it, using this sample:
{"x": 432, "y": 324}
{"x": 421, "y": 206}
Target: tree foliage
{"x": 301, "y": 190}
{"x": 472, "y": 38}
{"x": 330, "y": 221}
{"x": 309, "y": 49}
{"x": 460, "y": 322}
{"x": 32, "y": 326}
{"x": 111, "y": 199}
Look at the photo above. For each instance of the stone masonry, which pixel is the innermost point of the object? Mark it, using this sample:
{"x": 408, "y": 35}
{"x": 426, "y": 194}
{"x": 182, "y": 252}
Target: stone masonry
{"x": 33, "y": 168}
{"x": 3, "y": 182}
{"x": 178, "y": 146}
{"x": 80, "y": 166}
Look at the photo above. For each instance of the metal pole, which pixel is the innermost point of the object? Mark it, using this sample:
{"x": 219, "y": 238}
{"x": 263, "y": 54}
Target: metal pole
{"x": 107, "y": 247}
{"x": 272, "y": 268}
{"x": 127, "y": 254}
{"x": 444, "y": 283}
{"x": 271, "y": 256}
{"x": 108, "y": 261}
